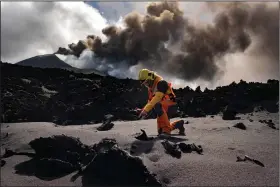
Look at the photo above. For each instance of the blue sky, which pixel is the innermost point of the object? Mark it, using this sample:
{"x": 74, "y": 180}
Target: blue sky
{"x": 112, "y": 11}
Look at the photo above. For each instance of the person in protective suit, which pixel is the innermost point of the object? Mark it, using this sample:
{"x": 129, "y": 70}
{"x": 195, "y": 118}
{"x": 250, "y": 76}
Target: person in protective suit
{"x": 162, "y": 100}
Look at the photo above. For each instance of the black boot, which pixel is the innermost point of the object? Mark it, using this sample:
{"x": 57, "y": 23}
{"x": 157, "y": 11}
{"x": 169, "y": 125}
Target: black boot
{"x": 180, "y": 125}
{"x": 182, "y": 130}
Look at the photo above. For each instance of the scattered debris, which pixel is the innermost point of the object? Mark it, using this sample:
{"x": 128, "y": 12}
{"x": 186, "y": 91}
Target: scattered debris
{"x": 212, "y": 116}
{"x": 3, "y": 162}
{"x": 171, "y": 148}
{"x": 144, "y": 136}
{"x": 186, "y": 122}
{"x": 107, "y": 125}
{"x": 239, "y": 159}
{"x": 240, "y": 126}
{"x": 251, "y": 120}
{"x": 188, "y": 148}
{"x": 269, "y": 124}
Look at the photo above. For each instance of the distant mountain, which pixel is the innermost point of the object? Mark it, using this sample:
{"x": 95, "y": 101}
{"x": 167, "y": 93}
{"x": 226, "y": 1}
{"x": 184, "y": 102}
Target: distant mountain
{"x": 52, "y": 61}
{"x": 45, "y": 61}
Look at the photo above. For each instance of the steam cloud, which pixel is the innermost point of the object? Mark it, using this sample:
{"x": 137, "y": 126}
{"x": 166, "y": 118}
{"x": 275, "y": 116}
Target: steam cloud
{"x": 149, "y": 39}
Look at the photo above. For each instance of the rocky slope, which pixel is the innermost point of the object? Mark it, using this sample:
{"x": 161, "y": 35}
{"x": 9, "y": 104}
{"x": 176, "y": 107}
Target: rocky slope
{"x": 65, "y": 97}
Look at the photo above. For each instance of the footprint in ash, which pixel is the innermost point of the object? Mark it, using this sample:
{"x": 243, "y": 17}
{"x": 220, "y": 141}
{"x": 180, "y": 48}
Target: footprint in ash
{"x": 154, "y": 158}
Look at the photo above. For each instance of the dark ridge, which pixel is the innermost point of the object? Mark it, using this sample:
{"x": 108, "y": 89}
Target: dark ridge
{"x": 65, "y": 97}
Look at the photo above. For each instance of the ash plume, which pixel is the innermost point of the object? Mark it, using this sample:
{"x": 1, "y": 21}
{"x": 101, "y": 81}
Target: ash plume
{"x": 166, "y": 41}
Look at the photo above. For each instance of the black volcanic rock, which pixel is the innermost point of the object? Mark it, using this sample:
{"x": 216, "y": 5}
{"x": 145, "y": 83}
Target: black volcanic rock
{"x": 114, "y": 166}
{"x": 240, "y": 126}
{"x": 65, "y": 97}
{"x": 61, "y": 147}
{"x": 102, "y": 164}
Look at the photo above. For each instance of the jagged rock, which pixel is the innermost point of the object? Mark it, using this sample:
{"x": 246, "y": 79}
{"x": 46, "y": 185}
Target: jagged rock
{"x": 171, "y": 148}
{"x": 188, "y": 148}
{"x": 107, "y": 125}
{"x": 114, "y": 166}
{"x": 143, "y": 136}
{"x": 107, "y": 164}
{"x": 85, "y": 98}
{"x": 63, "y": 148}
{"x": 104, "y": 144}
{"x": 240, "y": 126}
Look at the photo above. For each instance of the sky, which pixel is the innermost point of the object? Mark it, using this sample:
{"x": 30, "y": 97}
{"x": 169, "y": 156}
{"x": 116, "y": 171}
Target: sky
{"x": 36, "y": 28}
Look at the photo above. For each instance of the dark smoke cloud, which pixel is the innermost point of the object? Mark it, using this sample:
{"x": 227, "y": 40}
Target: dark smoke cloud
{"x": 148, "y": 39}
{"x": 261, "y": 21}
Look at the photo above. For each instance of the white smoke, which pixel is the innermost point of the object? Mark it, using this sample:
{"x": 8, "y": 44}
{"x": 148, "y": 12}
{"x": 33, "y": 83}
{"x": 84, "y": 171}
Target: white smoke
{"x": 35, "y": 28}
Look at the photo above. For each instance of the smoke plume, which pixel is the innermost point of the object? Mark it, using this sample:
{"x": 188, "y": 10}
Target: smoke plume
{"x": 238, "y": 40}
{"x": 166, "y": 41}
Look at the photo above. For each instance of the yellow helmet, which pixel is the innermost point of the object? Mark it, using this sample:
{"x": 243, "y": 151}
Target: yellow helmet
{"x": 145, "y": 74}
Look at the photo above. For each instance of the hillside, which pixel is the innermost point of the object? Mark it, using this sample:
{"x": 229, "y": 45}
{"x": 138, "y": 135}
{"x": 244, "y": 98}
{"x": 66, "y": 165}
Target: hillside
{"x": 31, "y": 94}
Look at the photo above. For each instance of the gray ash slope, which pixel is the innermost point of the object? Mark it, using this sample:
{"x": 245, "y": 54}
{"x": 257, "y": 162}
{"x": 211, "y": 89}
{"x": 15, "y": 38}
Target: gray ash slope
{"x": 65, "y": 97}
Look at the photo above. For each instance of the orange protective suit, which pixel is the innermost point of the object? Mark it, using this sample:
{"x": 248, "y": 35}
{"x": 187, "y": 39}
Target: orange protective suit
{"x": 161, "y": 99}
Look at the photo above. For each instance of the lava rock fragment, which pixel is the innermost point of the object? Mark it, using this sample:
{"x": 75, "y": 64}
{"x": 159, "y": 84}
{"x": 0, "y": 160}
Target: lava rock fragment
{"x": 107, "y": 124}
{"x": 188, "y": 148}
{"x": 171, "y": 148}
{"x": 143, "y": 136}
{"x": 114, "y": 166}
{"x": 62, "y": 147}
{"x": 240, "y": 126}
